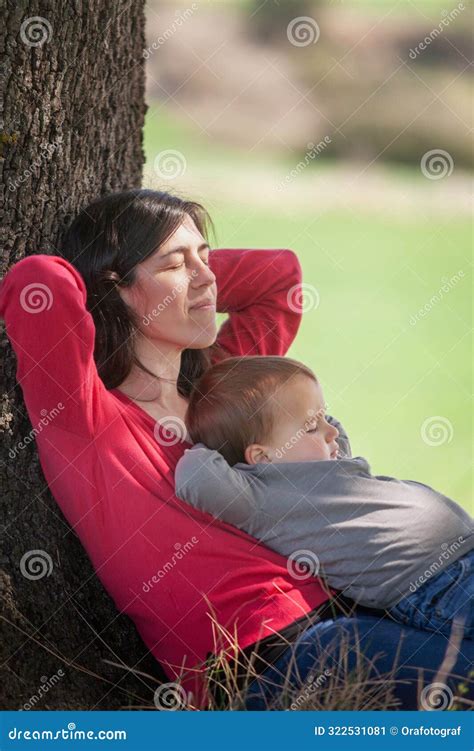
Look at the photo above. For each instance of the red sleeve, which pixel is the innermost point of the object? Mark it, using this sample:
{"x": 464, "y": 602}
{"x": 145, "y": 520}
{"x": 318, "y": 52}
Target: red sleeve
{"x": 260, "y": 291}
{"x": 43, "y": 302}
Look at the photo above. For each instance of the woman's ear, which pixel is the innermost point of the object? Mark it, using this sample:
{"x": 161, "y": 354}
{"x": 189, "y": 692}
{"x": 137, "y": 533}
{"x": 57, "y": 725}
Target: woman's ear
{"x": 125, "y": 293}
{"x": 257, "y": 454}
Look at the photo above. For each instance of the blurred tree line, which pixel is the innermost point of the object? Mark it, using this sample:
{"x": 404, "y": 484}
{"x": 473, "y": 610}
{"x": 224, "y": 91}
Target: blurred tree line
{"x": 392, "y": 87}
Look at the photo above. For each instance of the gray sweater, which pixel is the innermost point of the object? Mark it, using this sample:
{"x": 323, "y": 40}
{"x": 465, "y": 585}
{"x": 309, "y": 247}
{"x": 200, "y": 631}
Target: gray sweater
{"x": 373, "y": 537}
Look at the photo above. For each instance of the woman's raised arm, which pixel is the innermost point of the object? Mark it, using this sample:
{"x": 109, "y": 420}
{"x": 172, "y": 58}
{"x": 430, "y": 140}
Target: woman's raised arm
{"x": 43, "y": 302}
{"x": 260, "y": 291}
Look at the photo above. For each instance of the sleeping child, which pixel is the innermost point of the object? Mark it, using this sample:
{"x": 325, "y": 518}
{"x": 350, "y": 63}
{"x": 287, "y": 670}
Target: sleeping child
{"x": 267, "y": 459}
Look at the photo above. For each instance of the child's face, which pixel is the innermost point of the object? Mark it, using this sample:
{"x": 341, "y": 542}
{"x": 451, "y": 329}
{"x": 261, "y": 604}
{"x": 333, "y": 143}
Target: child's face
{"x": 301, "y": 432}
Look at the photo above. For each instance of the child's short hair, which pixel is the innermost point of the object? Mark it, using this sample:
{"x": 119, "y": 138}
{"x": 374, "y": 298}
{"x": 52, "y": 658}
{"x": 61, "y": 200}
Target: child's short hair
{"x": 231, "y": 406}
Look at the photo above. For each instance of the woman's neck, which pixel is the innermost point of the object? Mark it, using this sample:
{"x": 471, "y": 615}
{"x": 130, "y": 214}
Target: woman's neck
{"x": 163, "y": 360}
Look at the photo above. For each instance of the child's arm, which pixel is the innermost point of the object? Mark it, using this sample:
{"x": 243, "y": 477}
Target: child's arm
{"x": 205, "y": 480}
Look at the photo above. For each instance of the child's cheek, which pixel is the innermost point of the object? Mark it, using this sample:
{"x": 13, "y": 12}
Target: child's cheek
{"x": 318, "y": 447}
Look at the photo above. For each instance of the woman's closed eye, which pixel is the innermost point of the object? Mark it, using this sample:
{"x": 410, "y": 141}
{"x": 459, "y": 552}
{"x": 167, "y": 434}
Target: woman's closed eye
{"x": 180, "y": 264}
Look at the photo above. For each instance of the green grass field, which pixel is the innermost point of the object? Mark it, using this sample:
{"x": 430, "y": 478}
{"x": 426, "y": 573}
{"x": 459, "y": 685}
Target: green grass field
{"x": 384, "y": 376}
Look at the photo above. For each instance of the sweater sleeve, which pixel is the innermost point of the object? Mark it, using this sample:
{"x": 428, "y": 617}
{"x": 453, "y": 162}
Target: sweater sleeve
{"x": 205, "y": 480}
{"x": 260, "y": 289}
{"x": 43, "y": 303}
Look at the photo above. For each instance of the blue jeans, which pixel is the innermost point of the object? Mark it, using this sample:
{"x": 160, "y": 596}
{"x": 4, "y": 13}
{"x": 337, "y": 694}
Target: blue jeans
{"x": 437, "y": 602}
{"x": 404, "y": 658}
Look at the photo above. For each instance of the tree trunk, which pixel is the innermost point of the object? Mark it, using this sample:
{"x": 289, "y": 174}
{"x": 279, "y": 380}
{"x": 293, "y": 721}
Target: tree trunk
{"x": 73, "y": 77}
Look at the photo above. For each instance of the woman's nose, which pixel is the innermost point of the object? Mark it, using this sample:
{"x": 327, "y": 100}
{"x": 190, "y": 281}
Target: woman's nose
{"x": 202, "y": 274}
{"x": 332, "y": 433}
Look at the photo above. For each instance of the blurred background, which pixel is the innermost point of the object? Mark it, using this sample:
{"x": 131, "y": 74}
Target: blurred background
{"x": 342, "y": 130}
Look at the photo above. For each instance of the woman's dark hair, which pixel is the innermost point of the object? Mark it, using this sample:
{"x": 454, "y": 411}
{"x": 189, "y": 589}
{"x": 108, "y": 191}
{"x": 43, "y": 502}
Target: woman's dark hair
{"x": 105, "y": 243}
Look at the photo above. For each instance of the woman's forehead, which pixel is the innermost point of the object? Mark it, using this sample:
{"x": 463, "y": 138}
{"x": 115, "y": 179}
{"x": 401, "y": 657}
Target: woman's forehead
{"x": 186, "y": 234}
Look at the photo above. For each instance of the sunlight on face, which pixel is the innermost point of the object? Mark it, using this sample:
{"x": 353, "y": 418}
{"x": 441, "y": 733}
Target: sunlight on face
{"x": 302, "y": 432}
{"x": 175, "y": 291}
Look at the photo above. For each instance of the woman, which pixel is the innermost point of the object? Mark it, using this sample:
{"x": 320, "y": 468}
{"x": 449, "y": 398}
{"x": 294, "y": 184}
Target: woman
{"x": 109, "y": 340}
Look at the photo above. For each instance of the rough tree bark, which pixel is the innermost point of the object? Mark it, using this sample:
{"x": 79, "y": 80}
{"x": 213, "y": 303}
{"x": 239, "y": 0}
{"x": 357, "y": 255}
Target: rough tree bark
{"x": 73, "y": 78}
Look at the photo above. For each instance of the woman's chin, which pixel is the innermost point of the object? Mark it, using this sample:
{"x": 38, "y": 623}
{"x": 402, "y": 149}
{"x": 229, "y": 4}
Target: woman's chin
{"x": 204, "y": 338}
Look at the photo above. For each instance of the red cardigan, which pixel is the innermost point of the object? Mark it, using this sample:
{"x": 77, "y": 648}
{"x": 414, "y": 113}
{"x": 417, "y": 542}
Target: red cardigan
{"x": 165, "y": 564}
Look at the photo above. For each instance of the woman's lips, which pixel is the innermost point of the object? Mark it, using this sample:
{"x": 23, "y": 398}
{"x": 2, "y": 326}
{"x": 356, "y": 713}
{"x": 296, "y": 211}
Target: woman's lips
{"x": 204, "y": 306}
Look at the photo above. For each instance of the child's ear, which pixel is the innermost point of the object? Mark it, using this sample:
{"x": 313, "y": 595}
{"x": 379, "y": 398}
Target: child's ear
{"x": 257, "y": 454}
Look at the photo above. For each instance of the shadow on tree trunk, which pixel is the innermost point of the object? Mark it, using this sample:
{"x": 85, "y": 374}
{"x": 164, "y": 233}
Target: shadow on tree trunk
{"x": 72, "y": 130}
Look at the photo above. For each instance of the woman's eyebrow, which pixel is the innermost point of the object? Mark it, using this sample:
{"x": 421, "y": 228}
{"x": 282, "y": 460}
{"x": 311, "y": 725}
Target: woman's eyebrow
{"x": 182, "y": 248}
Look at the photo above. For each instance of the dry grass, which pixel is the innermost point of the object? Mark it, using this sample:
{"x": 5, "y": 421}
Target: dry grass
{"x": 330, "y": 686}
